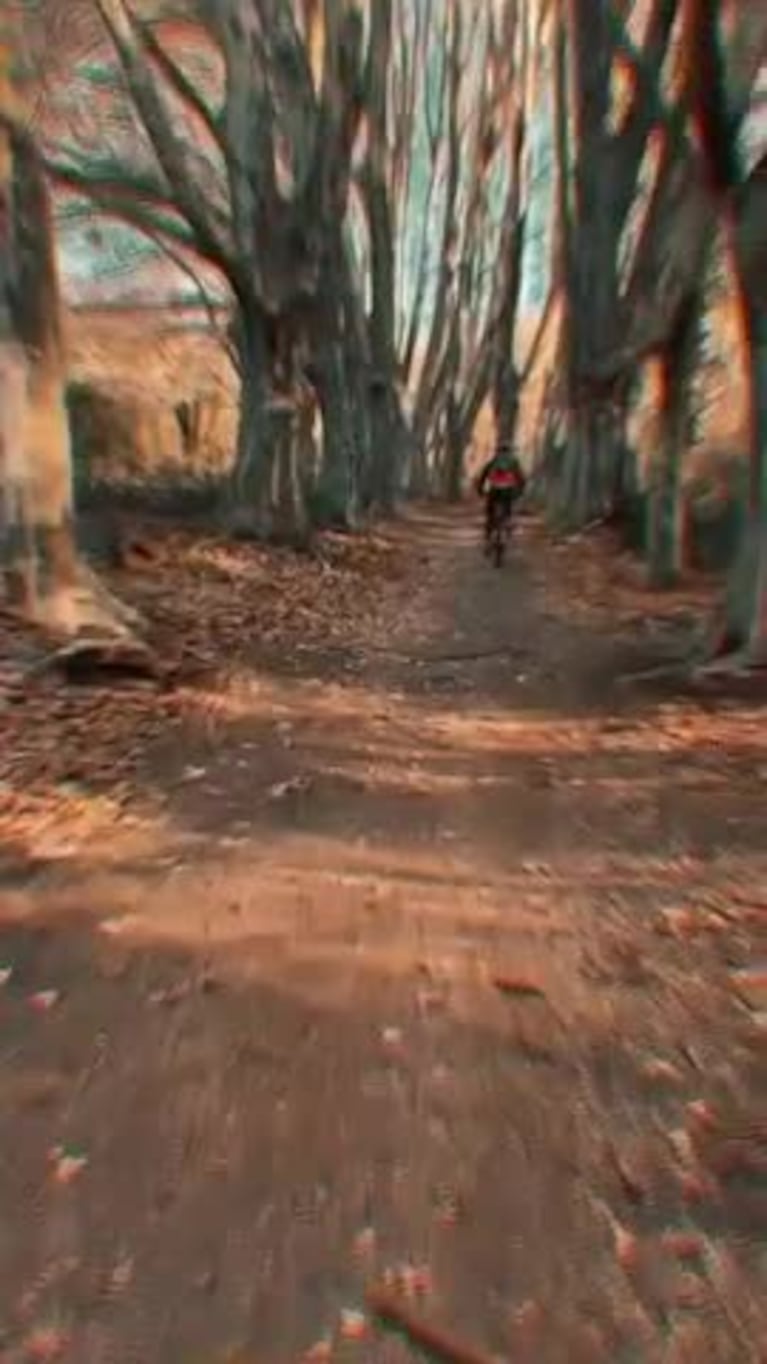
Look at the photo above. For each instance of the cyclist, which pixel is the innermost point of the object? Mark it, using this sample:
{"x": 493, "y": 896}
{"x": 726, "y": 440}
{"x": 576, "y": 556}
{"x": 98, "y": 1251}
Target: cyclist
{"x": 501, "y": 483}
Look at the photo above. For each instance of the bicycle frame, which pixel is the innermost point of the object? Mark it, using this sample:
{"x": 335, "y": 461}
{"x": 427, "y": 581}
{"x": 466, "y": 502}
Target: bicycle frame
{"x": 499, "y": 531}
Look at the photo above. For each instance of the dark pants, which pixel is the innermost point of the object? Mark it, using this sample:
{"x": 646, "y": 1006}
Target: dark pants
{"x": 498, "y": 504}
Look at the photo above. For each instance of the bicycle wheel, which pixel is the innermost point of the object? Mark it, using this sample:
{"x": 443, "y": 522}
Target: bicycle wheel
{"x": 499, "y": 545}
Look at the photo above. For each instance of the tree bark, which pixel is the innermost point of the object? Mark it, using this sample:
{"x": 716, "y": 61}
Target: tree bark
{"x": 290, "y": 517}
{"x": 743, "y": 628}
{"x": 337, "y": 493}
{"x": 267, "y": 492}
{"x": 455, "y": 448}
{"x": 247, "y": 495}
{"x": 340, "y": 373}
{"x": 666, "y": 521}
{"x": 718, "y": 105}
{"x": 388, "y": 426}
{"x": 41, "y": 569}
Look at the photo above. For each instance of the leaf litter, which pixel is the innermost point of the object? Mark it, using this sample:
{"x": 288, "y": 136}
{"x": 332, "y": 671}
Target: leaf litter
{"x": 72, "y": 756}
{"x": 212, "y": 606}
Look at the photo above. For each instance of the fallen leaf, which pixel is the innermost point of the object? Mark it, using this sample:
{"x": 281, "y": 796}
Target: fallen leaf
{"x": 122, "y": 923}
{"x": 66, "y": 1166}
{"x": 657, "y": 1069}
{"x": 696, "y": 1186}
{"x": 353, "y": 1324}
{"x": 690, "y": 1292}
{"x": 701, "y": 1115}
{"x": 449, "y": 1207}
{"x": 681, "y": 1144}
{"x": 170, "y": 995}
{"x": 680, "y": 923}
{"x": 743, "y": 1156}
{"x": 193, "y": 773}
{"x": 627, "y": 1248}
{"x": 295, "y": 786}
{"x": 43, "y": 1344}
{"x": 206, "y": 1282}
{"x": 44, "y": 1000}
{"x": 392, "y": 1038}
{"x": 519, "y": 985}
{"x": 750, "y": 984}
{"x": 365, "y": 1242}
{"x": 122, "y": 1275}
{"x": 409, "y": 1280}
{"x": 684, "y": 1245}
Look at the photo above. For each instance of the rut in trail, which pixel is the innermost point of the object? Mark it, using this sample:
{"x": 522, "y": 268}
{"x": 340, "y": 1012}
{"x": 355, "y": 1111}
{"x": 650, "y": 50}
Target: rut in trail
{"x": 429, "y": 968}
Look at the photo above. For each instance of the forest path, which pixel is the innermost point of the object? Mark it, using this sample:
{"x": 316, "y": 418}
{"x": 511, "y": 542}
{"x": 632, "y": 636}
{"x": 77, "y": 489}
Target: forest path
{"x": 430, "y": 969}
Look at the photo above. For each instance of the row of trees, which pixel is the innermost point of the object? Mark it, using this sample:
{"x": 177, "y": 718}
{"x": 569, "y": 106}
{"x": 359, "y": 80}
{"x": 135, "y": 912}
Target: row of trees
{"x": 655, "y": 182}
{"x": 353, "y": 174}
{"x": 361, "y": 176}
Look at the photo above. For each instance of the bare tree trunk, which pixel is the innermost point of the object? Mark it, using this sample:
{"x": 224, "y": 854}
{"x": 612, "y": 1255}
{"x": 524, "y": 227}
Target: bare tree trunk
{"x": 254, "y": 458}
{"x": 740, "y": 194}
{"x": 337, "y": 493}
{"x": 266, "y": 497}
{"x": 665, "y": 535}
{"x": 455, "y": 449}
{"x": 666, "y": 519}
{"x": 746, "y": 605}
{"x": 42, "y": 573}
{"x": 605, "y": 165}
{"x": 388, "y": 426}
{"x": 340, "y": 373}
{"x": 38, "y": 533}
{"x": 290, "y": 521}
{"x": 743, "y": 628}
{"x": 389, "y": 437}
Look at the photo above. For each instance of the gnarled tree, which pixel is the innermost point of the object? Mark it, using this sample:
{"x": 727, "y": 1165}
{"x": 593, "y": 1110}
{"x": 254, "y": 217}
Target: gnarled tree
{"x": 227, "y": 130}
{"x": 43, "y": 576}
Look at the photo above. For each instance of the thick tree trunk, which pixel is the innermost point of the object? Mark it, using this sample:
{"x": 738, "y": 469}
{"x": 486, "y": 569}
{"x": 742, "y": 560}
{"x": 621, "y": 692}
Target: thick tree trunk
{"x": 418, "y": 471}
{"x": 587, "y": 475}
{"x": 336, "y": 498}
{"x": 267, "y": 493}
{"x": 339, "y": 373}
{"x": 389, "y": 445}
{"x": 38, "y": 541}
{"x": 666, "y": 519}
{"x": 248, "y": 492}
{"x": 665, "y": 538}
{"x": 42, "y": 574}
{"x": 290, "y": 518}
{"x": 17, "y": 554}
{"x": 506, "y": 399}
{"x": 39, "y": 556}
{"x": 743, "y": 628}
{"x": 388, "y": 429}
{"x": 454, "y": 453}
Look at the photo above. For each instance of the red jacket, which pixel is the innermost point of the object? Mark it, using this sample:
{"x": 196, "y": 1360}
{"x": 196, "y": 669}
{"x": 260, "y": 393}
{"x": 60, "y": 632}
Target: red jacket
{"x": 501, "y": 475}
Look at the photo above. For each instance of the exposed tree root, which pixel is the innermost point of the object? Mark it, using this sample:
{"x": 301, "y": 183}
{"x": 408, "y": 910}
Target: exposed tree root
{"x": 92, "y": 660}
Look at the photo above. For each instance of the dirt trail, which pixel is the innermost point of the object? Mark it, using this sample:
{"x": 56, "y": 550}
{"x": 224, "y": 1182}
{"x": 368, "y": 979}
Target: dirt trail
{"x": 428, "y": 962}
